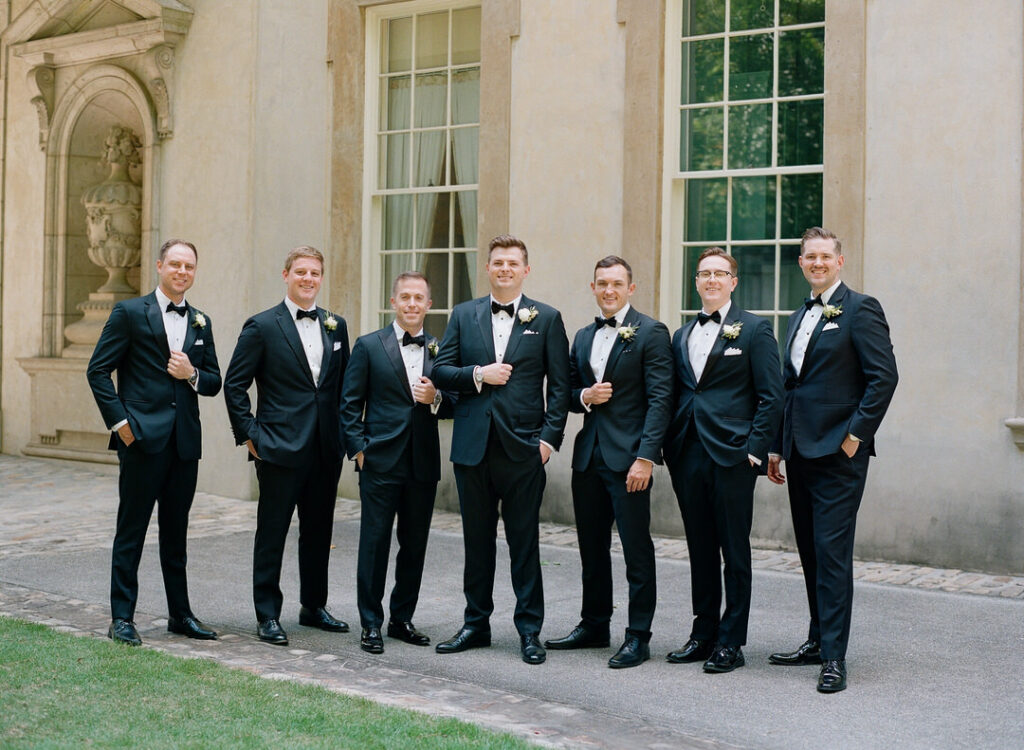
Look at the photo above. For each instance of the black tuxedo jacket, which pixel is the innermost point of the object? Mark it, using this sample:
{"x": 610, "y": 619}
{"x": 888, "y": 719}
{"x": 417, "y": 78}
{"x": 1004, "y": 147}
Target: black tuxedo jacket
{"x": 632, "y": 424}
{"x": 846, "y": 382}
{"x": 379, "y": 416}
{"x": 519, "y": 410}
{"x": 736, "y": 405}
{"x": 291, "y": 410}
{"x": 134, "y": 344}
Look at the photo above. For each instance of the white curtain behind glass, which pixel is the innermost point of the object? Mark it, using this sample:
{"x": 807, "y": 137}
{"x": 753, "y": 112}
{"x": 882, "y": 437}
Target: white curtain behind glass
{"x": 431, "y": 99}
{"x": 398, "y": 216}
{"x": 465, "y": 145}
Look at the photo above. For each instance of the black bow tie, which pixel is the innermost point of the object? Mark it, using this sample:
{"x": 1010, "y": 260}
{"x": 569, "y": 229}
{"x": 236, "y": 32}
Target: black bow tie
{"x": 418, "y": 340}
{"x": 812, "y": 301}
{"x": 171, "y": 307}
{"x": 497, "y": 308}
{"x": 311, "y": 314}
{"x": 601, "y": 322}
{"x": 703, "y": 317}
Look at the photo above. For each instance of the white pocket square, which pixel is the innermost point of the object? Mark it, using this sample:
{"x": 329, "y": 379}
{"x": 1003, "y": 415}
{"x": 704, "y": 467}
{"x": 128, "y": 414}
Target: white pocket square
{"x": 830, "y": 327}
{"x": 337, "y": 345}
{"x": 198, "y": 342}
{"x": 732, "y": 351}
{"x": 531, "y": 333}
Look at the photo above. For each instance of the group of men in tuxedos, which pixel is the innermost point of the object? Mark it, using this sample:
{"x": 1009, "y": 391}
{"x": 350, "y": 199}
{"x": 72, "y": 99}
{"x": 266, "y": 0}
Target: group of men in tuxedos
{"x": 713, "y": 402}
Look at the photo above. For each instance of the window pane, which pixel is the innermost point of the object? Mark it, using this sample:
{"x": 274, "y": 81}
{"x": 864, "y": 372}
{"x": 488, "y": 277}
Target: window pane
{"x": 753, "y": 208}
{"x": 801, "y": 125}
{"x": 395, "y": 103}
{"x": 703, "y": 62}
{"x": 756, "y": 290}
{"x": 435, "y": 267}
{"x": 431, "y": 99}
{"x": 701, "y": 146}
{"x": 432, "y": 40}
{"x": 394, "y": 161}
{"x": 429, "y": 158}
{"x": 792, "y": 285}
{"x": 750, "y": 67}
{"x": 801, "y": 204}
{"x": 393, "y": 264}
{"x": 435, "y": 323}
{"x": 750, "y": 131}
{"x": 466, "y": 36}
{"x": 397, "y": 49}
{"x": 705, "y": 210}
{"x": 783, "y": 333}
{"x": 801, "y": 62}
{"x": 801, "y": 11}
{"x": 432, "y": 219}
{"x": 704, "y": 17}
{"x": 466, "y": 96}
{"x": 691, "y": 300}
{"x": 465, "y": 152}
{"x": 463, "y": 273}
{"x": 751, "y": 14}
{"x": 465, "y": 219}
{"x": 386, "y": 318}
{"x": 397, "y": 220}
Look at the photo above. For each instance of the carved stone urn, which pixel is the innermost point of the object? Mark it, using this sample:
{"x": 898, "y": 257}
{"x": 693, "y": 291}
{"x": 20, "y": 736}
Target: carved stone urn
{"x": 114, "y": 224}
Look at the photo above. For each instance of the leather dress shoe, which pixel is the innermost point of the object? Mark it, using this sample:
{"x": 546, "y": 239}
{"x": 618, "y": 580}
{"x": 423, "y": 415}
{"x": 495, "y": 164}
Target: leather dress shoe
{"x": 123, "y": 631}
{"x": 832, "y": 677}
{"x": 632, "y": 653}
{"x": 464, "y": 640}
{"x": 693, "y": 650}
{"x": 808, "y": 653}
{"x": 580, "y": 637}
{"x": 406, "y": 631}
{"x": 322, "y": 619}
{"x": 371, "y": 641}
{"x": 533, "y": 652}
{"x": 724, "y": 659}
{"x": 272, "y": 632}
{"x": 191, "y": 627}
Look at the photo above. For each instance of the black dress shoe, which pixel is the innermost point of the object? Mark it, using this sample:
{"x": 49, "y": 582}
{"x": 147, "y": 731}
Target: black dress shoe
{"x": 808, "y": 653}
{"x": 632, "y": 653}
{"x": 371, "y": 641}
{"x": 272, "y": 632}
{"x": 533, "y": 652}
{"x": 580, "y": 637}
{"x": 190, "y": 627}
{"x": 123, "y": 631}
{"x": 832, "y": 677}
{"x": 406, "y": 631}
{"x": 694, "y": 650}
{"x": 322, "y": 619}
{"x": 724, "y": 659}
{"x": 464, "y": 640}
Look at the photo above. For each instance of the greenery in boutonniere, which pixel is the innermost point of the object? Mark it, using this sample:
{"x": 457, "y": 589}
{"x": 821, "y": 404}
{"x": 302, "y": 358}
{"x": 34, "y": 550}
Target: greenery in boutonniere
{"x": 732, "y": 332}
{"x": 526, "y": 314}
{"x": 330, "y": 322}
{"x": 832, "y": 311}
{"x": 199, "y": 321}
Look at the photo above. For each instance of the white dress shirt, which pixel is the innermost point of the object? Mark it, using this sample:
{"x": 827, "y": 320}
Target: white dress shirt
{"x": 311, "y": 337}
{"x": 412, "y": 356}
{"x": 604, "y": 340}
{"x": 702, "y": 340}
{"x": 501, "y": 328}
{"x": 807, "y": 325}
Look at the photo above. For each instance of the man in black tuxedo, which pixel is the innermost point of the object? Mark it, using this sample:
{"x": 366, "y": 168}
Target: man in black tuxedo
{"x": 162, "y": 351}
{"x": 840, "y": 375}
{"x": 728, "y": 407}
{"x": 389, "y": 414}
{"x": 296, "y": 353}
{"x": 496, "y": 354}
{"x": 620, "y": 370}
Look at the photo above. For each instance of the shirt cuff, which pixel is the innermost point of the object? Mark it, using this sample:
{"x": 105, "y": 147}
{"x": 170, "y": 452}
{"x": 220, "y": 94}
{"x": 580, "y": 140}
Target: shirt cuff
{"x": 586, "y": 406}
{"x": 755, "y": 459}
{"x": 549, "y": 445}
{"x": 853, "y": 437}
{"x": 641, "y": 458}
{"x": 479, "y": 384}
{"x": 119, "y": 425}
{"x": 775, "y": 455}
{"x": 437, "y": 403}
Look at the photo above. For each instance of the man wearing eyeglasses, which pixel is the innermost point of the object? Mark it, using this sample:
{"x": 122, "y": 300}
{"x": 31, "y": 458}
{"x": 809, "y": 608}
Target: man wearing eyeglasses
{"x": 728, "y": 407}
{"x": 840, "y": 377}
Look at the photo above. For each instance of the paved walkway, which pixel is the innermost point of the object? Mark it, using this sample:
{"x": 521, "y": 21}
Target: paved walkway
{"x": 56, "y": 524}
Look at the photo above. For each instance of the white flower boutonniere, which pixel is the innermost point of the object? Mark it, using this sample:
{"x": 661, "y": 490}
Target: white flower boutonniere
{"x": 732, "y": 332}
{"x": 199, "y": 321}
{"x": 526, "y": 314}
{"x": 330, "y": 323}
{"x": 432, "y": 348}
{"x": 626, "y": 333}
{"x": 832, "y": 311}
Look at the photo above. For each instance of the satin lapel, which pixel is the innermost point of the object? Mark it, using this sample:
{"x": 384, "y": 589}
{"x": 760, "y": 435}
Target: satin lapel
{"x": 632, "y": 318}
{"x": 835, "y": 299}
{"x": 483, "y": 320}
{"x": 586, "y": 347}
{"x": 291, "y": 335}
{"x": 517, "y": 329}
{"x": 155, "y": 316}
{"x": 685, "y": 367}
{"x": 328, "y": 341}
{"x": 394, "y": 354}
{"x": 719, "y": 347}
{"x": 191, "y": 332}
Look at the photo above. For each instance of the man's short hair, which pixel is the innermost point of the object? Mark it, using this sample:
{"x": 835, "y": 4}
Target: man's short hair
{"x": 303, "y": 251}
{"x": 614, "y": 260}
{"x": 820, "y": 233}
{"x": 409, "y": 276}
{"x": 171, "y": 243}
{"x": 717, "y": 251}
{"x": 507, "y": 240}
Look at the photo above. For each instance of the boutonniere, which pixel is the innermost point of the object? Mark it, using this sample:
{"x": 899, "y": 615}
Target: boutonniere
{"x": 199, "y": 321}
{"x": 432, "y": 348}
{"x": 330, "y": 322}
{"x": 526, "y": 314}
{"x": 626, "y": 333}
{"x": 832, "y": 311}
{"x": 732, "y": 332}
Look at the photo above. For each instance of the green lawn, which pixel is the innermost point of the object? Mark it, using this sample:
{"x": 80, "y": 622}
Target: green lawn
{"x": 59, "y": 690}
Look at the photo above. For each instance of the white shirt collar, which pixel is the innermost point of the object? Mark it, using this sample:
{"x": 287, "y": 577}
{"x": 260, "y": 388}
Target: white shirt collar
{"x": 722, "y": 311}
{"x": 827, "y": 294}
{"x": 620, "y": 316}
{"x": 514, "y": 303}
{"x": 292, "y": 307}
{"x": 400, "y": 332}
{"x": 162, "y": 300}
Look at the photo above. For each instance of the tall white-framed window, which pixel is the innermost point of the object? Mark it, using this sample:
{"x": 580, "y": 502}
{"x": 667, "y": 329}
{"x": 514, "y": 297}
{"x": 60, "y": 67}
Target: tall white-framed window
{"x": 421, "y": 152}
{"x": 743, "y": 157}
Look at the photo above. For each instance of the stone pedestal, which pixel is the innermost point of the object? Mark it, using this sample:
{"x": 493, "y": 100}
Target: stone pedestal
{"x": 65, "y": 421}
